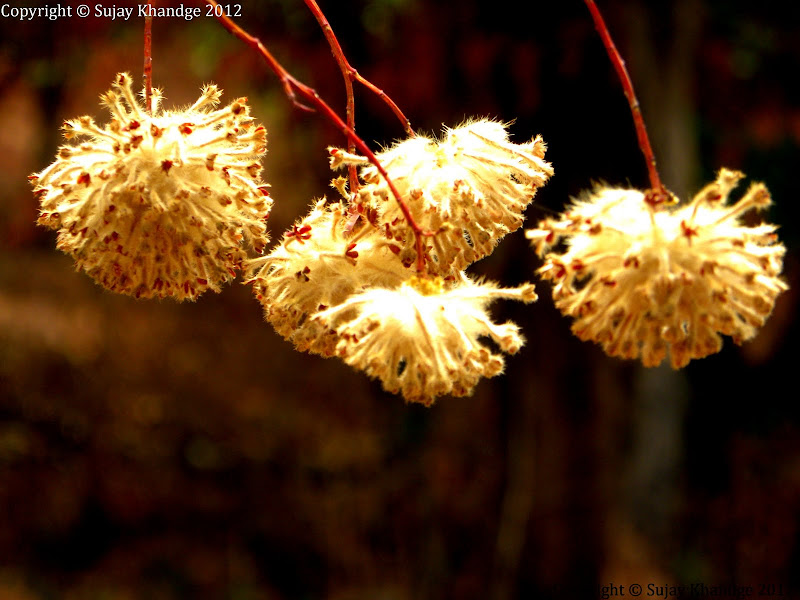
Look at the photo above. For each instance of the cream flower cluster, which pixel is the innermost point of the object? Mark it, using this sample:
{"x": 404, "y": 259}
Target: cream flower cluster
{"x": 160, "y": 204}
{"x": 315, "y": 266}
{"x": 422, "y": 338}
{"x": 641, "y": 280}
{"x": 339, "y": 283}
{"x": 470, "y": 188}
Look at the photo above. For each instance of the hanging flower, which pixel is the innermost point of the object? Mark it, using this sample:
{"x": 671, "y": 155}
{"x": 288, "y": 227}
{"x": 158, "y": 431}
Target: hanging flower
{"x": 422, "y": 338}
{"x": 470, "y": 189}
{"x": 317, "y": 265}
{"x": 641, "y": 279}
{"x": 158, "y": 205}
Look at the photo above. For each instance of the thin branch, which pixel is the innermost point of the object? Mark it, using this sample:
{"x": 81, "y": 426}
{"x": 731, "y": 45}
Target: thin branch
{"x": 292, "y": 85}
{"x": 148, "y": 61}
{"x": 658, "y": 193}
{"x": 346, "y": 69}
{"x": 350, "y": 74}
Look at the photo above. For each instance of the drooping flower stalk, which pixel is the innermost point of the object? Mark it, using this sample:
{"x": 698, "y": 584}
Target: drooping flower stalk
{"x": 148, "y": 62}
{"x": 349, "y": 74}
{"x": 292, "y": 87}
{"x": 657, "y": 193}
{"x": 643, "y": 277}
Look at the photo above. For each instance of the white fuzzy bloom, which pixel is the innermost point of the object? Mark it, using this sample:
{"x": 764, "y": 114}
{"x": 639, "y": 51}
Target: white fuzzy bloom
{"x": 158, "y": 204}
{"x": 470, "y": 189}
{"x": 315, "y": 266}
{"x": 641, "y": 280}
{"x": 422, "y": 338}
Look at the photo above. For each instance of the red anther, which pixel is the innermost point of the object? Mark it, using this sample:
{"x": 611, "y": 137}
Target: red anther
{"x": 155, "y": 131}
{"x": 33, "y": 177}
{"x": 264, "y": 189}
{"x": 185, "y": 128}
{"x": 300, "y": 233}
{"x": 631, "y": 261}
{"x": 226, "y": 175}
{"x": 117, "y": 269}
{"x": 609, "y": 282}
{"x": 202, "y": 281}
{"x": 166, "y": 165}
{"x": 577, "y": 264}
{"x": 350, "y": 253}
{"x": 688, "y": 231}
{"x": 134, "y": 124}
{"x": 120, "y": 249}
{"x": 560, "y": 271}
{"x": 186, "y": 287}
{"x": 551, "y": 235}
{"x": 84, "y": 178}
{"x": 333, "y": 151}
{"x": 158, "y": 284}
{"x": 395, "y": 249}
{"x": 253, "y": 169}
{"x": 136, "y": 140}
{"x": 388, "y": 231}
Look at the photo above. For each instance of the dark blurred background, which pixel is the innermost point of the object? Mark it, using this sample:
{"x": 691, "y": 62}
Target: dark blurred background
{"x": 150, "y": 450}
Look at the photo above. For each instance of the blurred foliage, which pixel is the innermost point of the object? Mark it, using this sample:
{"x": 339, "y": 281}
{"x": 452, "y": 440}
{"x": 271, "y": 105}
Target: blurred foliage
{"x": 154, "y": 451}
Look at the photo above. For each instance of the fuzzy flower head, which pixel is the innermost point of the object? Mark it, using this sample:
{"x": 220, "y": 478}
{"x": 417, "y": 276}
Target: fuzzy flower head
{"x": 158, "y": 205}
{"x": 642, "y": 279}
{"x": 422, "y": 338}
{"x": 470, "y": 189}
{"x": 318, "y": 264}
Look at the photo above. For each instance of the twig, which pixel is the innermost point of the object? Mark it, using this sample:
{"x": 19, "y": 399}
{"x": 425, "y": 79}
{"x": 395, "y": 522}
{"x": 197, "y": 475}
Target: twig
{"x": 347, "y": 70}
{"x": 658, "y": 193}
{"x": 148, "y": 61}
{"x": 350, "y": 74}
{"x": 292, "y": 85}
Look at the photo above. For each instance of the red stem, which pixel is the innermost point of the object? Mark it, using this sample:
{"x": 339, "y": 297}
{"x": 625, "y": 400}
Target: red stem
{"x": 627, "y": 86}
{"x": 148, "y": 62}
{"x": 346, "y": 69}
{"x": 350, "y": 74}
{"x": 290, "y": 85}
